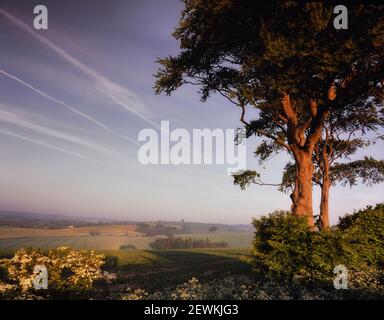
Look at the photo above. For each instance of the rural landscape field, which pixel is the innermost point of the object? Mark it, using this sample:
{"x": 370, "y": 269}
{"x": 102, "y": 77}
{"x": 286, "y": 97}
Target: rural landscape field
{"x": 136, "y": 263}
{"x": 192, "y": 150}
{"x": 109, "y": 237}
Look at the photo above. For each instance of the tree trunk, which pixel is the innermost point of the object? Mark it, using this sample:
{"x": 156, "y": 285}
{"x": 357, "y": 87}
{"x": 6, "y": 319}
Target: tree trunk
{"x": 295, "y": 191}
{"x": 305, "y": 168}
{"x": 302, "y": 147}
{"x": 324, "y": 205}
{"x": 325, "y": 186}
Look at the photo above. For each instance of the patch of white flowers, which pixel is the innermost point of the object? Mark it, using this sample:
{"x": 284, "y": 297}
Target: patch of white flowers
{"x": 67, "y": 269}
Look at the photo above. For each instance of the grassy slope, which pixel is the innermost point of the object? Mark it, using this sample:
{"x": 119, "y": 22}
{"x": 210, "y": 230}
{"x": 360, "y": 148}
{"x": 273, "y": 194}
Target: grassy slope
{"x": 155, "y": 270}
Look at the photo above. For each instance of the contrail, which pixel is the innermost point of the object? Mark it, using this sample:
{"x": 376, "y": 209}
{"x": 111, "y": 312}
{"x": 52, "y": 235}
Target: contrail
{"x": 43, "y": 144}
{"x": 19, "y": 120}
{"x": 56, "y": 148}
{"x": 120, "y": 95}
{"x": 45, "y": 95}
{"x": 74, "y": 110}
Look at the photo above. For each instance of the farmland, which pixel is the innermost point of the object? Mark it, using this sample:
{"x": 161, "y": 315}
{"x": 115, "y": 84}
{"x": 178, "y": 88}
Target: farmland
{"x": 137, "y": 264}
{"x": 113, "y": 242}
{"x": 114, "y": 236}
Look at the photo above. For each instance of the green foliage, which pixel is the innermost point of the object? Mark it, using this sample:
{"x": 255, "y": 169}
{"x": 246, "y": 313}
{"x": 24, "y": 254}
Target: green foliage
{"x": 370, "y": 171}
{"x": 258, "y": 51}
{"x": 245, "y": 178}
{"x": 185, "y": 243}
{"x": 253, "y": 53}
{"x": 364, "y": 230}
{"x": 285, "y": 249}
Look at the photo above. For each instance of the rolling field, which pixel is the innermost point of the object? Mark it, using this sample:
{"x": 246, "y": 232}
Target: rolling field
{"x": 77, "y": 242}
{"x": 152, "y": 270}
{"x": 156, "y": 270}
{"x": 110, "y": 237}
{"x": 104, "y": 242}
{"x": 116, "y": 230}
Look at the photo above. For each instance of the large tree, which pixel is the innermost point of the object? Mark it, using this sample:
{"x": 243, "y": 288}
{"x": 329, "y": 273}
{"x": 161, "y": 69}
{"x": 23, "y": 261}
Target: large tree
{"x": 344, "y": 134}
{"x": 287, "y": 60}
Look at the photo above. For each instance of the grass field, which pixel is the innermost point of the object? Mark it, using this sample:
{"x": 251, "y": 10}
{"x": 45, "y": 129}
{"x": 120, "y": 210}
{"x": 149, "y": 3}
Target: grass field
{"x": 155, "y": 270}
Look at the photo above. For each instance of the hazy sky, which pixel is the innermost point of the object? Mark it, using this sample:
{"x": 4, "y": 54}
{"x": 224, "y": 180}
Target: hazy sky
{"x": 73, "y": 99}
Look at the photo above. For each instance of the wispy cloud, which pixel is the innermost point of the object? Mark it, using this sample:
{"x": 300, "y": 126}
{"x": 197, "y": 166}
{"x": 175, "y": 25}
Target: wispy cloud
{"x": 56, "y": 148}
{"x": 50, "y": 146}
{"x": 62, "y": 103}
{"x": 21, "y": 121}
{"x": 117, "y": 93}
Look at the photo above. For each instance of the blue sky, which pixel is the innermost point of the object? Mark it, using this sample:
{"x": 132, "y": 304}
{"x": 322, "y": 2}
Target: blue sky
{"x": 73, "y": 100}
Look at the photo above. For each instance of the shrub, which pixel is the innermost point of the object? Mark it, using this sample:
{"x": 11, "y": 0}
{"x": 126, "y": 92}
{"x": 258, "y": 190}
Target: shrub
{"x": 286, "y": 250}
{"x": 364, "y": 231}
{"x": 190, "y": 290}
{"x": 187, "y": 243}
{"x": 68, "y": 270}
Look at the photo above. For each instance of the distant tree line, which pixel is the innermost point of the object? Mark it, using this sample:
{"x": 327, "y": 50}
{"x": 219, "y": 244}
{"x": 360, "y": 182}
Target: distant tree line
{"x": 45, "y": 224}
{"x": 39, "y": 221}
{"x": 160, "y": 229}
{"x": 185, "y": 243}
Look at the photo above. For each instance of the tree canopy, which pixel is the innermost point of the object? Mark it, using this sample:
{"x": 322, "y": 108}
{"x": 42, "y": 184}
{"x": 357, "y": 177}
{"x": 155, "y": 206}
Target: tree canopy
{"x": 286, "y": 60}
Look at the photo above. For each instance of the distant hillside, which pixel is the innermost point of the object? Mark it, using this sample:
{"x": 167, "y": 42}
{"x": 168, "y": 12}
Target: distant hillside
{"x": 150, "y": 228}
{"x": 41, "y": 220}
{"x": 153, "y": 228}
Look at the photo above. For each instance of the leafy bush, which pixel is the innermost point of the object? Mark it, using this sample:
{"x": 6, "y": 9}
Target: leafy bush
{"x": 287, "y": 251}
{"x": 188, "y": 243}
{"x": 364, "y": 231}
{"x": 68, "y": 270}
